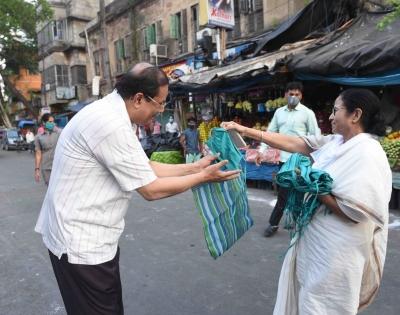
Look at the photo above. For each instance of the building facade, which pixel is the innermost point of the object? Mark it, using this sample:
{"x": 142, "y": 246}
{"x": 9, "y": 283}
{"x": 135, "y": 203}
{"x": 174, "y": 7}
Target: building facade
{"x": 62, "y": 53}
{"x": 124, "y": 33}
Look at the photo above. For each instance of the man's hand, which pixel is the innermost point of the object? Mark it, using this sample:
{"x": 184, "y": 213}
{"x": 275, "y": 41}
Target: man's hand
{"x": 212, "y": 173}
{"x": 205, "y": 161}
{"x": 228, "y": 125}
{"x": 37, "y": 175}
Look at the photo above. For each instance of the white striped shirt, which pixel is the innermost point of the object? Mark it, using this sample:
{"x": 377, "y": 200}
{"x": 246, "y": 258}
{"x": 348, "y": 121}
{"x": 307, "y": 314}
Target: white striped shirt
{"x": 98, "y": 163}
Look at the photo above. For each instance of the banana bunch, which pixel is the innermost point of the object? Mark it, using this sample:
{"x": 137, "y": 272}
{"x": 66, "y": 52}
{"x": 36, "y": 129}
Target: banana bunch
{"x": 247, "y": 106}
{"x": 271, "y": 105}
{"x": 205, "y": 129}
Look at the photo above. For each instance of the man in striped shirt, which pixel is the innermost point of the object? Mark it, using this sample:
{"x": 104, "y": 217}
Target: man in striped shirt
{"x": 98, "y": 163}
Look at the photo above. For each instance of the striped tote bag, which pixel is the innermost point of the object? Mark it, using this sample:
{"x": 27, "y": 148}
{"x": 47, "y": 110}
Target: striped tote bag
{"x": 223, "y": 206}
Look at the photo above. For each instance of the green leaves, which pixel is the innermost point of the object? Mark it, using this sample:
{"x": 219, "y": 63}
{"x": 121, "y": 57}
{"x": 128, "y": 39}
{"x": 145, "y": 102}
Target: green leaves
{"x": 18, "y": 20}
{"x": 390, "y": 17}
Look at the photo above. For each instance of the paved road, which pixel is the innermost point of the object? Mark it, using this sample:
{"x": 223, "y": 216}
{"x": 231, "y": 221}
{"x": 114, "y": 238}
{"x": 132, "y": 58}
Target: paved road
{"x": 166, "y": 269}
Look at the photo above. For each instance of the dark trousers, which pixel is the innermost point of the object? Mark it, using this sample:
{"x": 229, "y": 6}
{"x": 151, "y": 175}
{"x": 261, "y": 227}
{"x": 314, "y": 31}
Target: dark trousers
{"x": 277, "y": 213}
{"x": 89, "y": 289}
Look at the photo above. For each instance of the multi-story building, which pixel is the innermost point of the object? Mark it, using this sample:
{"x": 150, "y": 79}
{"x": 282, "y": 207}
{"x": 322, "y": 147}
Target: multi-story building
{"x": 123, "y": 33}
{"x": 62, "y": 52}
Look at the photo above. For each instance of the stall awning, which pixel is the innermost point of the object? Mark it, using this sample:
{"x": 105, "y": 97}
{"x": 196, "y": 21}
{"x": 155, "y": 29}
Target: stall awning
{"x": 387, "y": 78}
{"x": 265, "y": 63}
{"x": 359, "y": 50}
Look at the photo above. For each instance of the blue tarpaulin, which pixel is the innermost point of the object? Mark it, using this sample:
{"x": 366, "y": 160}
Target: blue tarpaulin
{"x": 24, "y": 123}
{"x": 387, "y": 78}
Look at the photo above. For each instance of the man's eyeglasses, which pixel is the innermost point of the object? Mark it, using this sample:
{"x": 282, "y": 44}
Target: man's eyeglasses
{"x": 162, "y": 105}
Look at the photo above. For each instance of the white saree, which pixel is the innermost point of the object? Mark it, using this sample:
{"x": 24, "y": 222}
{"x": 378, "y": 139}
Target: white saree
{"x": 335, "y": 268}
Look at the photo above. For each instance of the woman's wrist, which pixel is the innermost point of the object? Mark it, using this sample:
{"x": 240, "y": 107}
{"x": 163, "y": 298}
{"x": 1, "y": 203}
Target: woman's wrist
{"x": 37, "y": 168}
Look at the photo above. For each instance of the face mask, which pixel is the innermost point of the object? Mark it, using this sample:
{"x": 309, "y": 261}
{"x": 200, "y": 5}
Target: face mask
{"x": 49, "y": 125}
{"x": 293, "y": 100}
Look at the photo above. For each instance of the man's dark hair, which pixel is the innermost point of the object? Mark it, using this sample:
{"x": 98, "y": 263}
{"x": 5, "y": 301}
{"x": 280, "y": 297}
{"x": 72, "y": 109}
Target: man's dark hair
{"x": 146, "y": 80}
{"x": 46, "y": 117}
{"x": 191, "y": 119}
{"x": 295, "y": 85}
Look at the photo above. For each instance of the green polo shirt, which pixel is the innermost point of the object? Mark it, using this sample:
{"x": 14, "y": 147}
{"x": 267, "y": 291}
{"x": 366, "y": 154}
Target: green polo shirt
{"x": 300, "y": 121}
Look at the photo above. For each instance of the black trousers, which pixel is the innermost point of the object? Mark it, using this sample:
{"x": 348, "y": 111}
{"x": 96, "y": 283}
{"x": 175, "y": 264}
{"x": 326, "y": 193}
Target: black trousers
{"x": 277, "y": 213}
{"x": 89, "y": 289}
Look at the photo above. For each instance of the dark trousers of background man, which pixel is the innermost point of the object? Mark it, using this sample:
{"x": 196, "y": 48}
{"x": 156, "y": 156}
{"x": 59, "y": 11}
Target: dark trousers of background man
{"x": 89, "y": 289}
{"x": 277, "y": 213}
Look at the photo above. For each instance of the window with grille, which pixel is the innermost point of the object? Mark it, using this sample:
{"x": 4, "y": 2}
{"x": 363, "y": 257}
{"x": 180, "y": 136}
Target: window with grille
{"x": 78, "y": 75}
{"x": 62, "y": 75}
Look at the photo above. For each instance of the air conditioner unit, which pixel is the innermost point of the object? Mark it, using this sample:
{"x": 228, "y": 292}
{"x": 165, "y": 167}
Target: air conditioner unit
{"x": 47, "y": 87}
{"x": 158, "y": 51}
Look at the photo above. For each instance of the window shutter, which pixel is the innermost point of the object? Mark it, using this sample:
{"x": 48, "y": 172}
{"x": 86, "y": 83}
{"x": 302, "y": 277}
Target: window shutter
{"x": 121, "y": 50}
{"x": 259, "y": 20}
{"x": 128, "y": 46}
{"x": 184, "y": 23}
{"x": 258, "y": 5}
{"x": 159, "y": 35}
{"x": 244, "y": 6}
{"x": 148, "y": 36}
{"x": 152, "y": 34}
{"x": 172, "y": 26}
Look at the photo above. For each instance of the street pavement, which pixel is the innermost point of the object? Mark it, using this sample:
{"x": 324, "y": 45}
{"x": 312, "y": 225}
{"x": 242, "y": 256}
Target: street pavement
{"x": 165, "y": 266}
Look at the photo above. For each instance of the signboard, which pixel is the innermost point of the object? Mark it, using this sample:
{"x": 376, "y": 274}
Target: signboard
{"x": 218, "y": 13}
{"x": 169, "y": 69}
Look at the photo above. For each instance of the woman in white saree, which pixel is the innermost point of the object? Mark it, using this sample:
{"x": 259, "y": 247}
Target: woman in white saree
{"x": 335, "y": 268}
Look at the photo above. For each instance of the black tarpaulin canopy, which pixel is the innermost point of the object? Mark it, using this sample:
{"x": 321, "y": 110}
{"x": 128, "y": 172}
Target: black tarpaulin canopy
{"x": 357, "y": 50}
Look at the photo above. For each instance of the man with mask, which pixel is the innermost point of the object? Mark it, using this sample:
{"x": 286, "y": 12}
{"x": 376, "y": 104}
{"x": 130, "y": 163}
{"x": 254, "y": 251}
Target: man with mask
{"x": 293, "y": 119}
{"x": 45, "y": 145}
{"x": 190, "y": 141}
{"x": 171, "y": 126}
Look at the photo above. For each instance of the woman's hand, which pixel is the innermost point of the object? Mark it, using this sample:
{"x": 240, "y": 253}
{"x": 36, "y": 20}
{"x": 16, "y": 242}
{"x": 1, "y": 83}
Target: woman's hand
{"x": 228, "y": 125}
{"x": 258, "y": 159}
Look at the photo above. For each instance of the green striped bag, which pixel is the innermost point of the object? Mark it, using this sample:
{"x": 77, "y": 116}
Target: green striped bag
{"x": 223, "y": 206}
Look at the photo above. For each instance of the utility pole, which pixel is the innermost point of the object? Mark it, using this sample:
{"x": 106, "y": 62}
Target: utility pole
{"x": 221, "y": 44}
{"x": 106, "y": 57}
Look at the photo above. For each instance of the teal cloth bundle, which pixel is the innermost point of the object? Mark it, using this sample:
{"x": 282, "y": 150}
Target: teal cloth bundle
{"x": 304, "y": 184}
{"x": 223, "y": 206}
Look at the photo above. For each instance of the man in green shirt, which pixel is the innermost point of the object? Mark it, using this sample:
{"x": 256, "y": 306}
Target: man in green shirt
{"x": 293, "y": 119}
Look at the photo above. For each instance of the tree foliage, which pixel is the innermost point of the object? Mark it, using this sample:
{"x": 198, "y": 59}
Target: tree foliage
{"x": 18, "y": 20}
{"x": 390, "y": 17}
{"x": 18, "y": 43}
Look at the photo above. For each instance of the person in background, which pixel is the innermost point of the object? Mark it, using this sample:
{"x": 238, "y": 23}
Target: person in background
{"x": 335, "y": 267}
{"x": 155, "y": 127}
{"x": 99, "y": 163}
{"x": 294, "y": 119}
{"x": 190, "y": 141}
{"x": 30, "y": 140}
{"x": 45, "y": 145}
{"x": 171, "y": 126}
